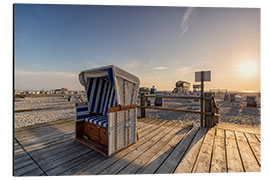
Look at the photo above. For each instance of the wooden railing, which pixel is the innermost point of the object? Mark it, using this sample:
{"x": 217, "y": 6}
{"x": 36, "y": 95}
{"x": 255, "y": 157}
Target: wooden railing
{"x": 209, "y": 112}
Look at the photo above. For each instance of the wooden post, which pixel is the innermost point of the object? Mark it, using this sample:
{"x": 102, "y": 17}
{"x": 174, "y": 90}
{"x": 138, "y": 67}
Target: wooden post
{"x": 202, "y": 100}
{"x": 207, "y": 108}
{"x": 143, "y": 101}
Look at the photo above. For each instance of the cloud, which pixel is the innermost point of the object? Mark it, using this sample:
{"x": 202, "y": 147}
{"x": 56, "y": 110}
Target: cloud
{"x": 160, "y": 68}
{"x": 184, "y": 26}
{"x": 45, "y": 80}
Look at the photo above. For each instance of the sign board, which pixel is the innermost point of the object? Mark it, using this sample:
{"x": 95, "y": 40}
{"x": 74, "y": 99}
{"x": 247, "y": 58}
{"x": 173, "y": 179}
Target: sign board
{"x": 206, "y": 76}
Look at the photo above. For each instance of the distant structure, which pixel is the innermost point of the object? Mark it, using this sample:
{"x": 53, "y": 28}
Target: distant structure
{"x": 60, "y": 91}
{"x": 196, "y": 88}
{"x": 181, "y": 87}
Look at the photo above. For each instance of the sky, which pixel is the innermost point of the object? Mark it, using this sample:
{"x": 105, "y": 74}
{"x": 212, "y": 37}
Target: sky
{"x": 160, "y": 45}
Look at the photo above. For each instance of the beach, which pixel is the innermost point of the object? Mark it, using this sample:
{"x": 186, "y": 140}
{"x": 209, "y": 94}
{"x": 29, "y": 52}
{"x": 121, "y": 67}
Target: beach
{"x": 229, "y": 111}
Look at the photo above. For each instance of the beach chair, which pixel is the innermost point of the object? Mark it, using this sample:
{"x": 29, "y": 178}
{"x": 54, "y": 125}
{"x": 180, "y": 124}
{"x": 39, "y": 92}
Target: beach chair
{"x": 107, "y": 121}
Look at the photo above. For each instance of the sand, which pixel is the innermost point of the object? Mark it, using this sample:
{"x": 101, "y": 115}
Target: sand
{"x": 229, "y": 112}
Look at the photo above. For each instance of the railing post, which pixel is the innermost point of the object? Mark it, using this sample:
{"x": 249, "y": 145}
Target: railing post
{"x": 211, "y": 109}
{"x": 208, "y": 109}
{"x": 202, "y": 100}
{"x": 143, "y": 102}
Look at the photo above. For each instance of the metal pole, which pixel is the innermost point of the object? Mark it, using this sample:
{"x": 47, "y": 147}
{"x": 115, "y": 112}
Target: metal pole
{"x": 202, "y": 100}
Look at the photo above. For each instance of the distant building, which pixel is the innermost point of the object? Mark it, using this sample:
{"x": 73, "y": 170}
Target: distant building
{"x": 181, "y": 87}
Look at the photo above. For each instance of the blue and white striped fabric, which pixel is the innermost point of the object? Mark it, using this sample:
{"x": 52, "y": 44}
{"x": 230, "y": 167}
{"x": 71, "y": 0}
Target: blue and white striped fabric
{"x": 99, "y": 120}
{"x": 82, "y": 111}
{"x": 100, "y": 95}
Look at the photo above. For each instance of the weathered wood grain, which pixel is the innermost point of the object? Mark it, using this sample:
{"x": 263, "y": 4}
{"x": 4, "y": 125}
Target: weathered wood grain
{"x": 138, "y": 151}
{"x": 139, "y": 162}
{"x": 171, "y": 163}
{"x": 202, "y": 164}
{"x": 248, "y": 158}
{"x": 255, "y": 146}
{"x": 108, "y": 162}
{"x": 219, "y": 157}
{"x": 187, "y": 163}
{"x": 233, "y": 157}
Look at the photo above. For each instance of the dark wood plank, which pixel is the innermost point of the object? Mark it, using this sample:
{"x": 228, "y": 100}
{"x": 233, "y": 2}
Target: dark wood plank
{"x": 202, "y": 164}
{"x": 187, "y": 163}
{"x": 140, "y": 161}
{"x": 26, "y": 169}
{"x": 60, "y": 161}
{"x": 72, "y": 163}
{"x": 120, "y": 164}
{"x": 172, "y": 161}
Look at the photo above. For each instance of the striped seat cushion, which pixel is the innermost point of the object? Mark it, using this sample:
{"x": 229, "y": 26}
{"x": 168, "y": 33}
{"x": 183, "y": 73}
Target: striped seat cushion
{"x": 99, "y": 120}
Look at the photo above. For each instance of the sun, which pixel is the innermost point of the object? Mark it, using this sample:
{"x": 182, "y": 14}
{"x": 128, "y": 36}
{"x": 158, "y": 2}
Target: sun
{"x": 248, "y": 68}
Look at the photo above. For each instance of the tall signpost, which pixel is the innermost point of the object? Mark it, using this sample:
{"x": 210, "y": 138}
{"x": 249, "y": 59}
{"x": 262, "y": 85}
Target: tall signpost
{"x": 202, "y": 76}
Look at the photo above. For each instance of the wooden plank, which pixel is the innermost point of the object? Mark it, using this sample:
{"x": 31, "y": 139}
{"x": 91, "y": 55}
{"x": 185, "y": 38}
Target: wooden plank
{"x": 171, "y": 109}
{"x": 65, "y": 159}
{"x": 255, "y": 146}
{"x": 218, "y": 163}
{"x": 44, "y": 108}
{"x": 149, "y": 153}
{"x": 44, "y": 140}
{"x": 155, "y": 162}
{"x": 51, "y": 141}
{"x": 49, "y": 157}
{"x": 187, "y": 163}
{"x": 233, "y": 158}
{"x": 89, "y": 162}
{"x": 172, "y": 161}
{"x": 240, "y": 128}
{"x": 122, "y": 108}
{"x": 108, "y": 162}
{"x": 124, "y": 161}
{"x": 64, "y": 143}
{"x": 35, "y": 172}
{"x": 202, "y": 164}
{"x": 28, "y": 134}
{"x": 26, "y": 169}
{"x": 72, "y": 163}
{"x": 248, "y": 158}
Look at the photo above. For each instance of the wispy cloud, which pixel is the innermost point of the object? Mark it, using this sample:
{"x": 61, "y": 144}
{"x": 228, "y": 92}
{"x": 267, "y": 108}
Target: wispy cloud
{"x": 184, "y": 26}
{"x": 160, "y": 68}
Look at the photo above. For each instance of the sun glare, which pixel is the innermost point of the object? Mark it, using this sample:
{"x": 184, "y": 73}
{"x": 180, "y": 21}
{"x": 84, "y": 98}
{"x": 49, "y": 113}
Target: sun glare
{"x": 248, "y": 68}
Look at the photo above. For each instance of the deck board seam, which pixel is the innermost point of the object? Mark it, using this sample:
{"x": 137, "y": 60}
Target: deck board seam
{"x": 186, "y": 148}
{"x": 252, "y": 149}
{"x": 91, "y": 153}
{"x": 171, "y": 151}
{"x": 212, "y": 152}
{"x": 257, "y": 138}
{"x": 155, "y": 128}
{"x": 239, "y": 151}
{"x": 31, "y": 157}
{"x": 226, "y": 154}
{"x": 198, "y": 153}
{"x": 170, "y": 135}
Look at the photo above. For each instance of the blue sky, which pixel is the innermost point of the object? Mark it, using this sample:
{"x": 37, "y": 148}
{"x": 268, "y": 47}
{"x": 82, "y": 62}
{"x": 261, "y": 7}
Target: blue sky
{"x": 160, "y": 45}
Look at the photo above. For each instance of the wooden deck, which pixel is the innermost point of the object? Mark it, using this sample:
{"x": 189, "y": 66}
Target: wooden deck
{"x": 163, "y": 147}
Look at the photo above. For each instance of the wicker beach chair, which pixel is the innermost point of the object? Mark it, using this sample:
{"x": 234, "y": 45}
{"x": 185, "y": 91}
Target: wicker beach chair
{"x": 107, "y": 121}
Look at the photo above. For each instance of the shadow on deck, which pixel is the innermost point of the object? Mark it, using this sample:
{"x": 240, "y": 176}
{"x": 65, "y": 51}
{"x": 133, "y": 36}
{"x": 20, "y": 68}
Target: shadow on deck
{"x": 163, "y": 147}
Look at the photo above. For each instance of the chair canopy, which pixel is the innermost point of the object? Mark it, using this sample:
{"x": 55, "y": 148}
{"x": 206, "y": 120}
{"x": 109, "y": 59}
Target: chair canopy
{"x": 108, "y": 86}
